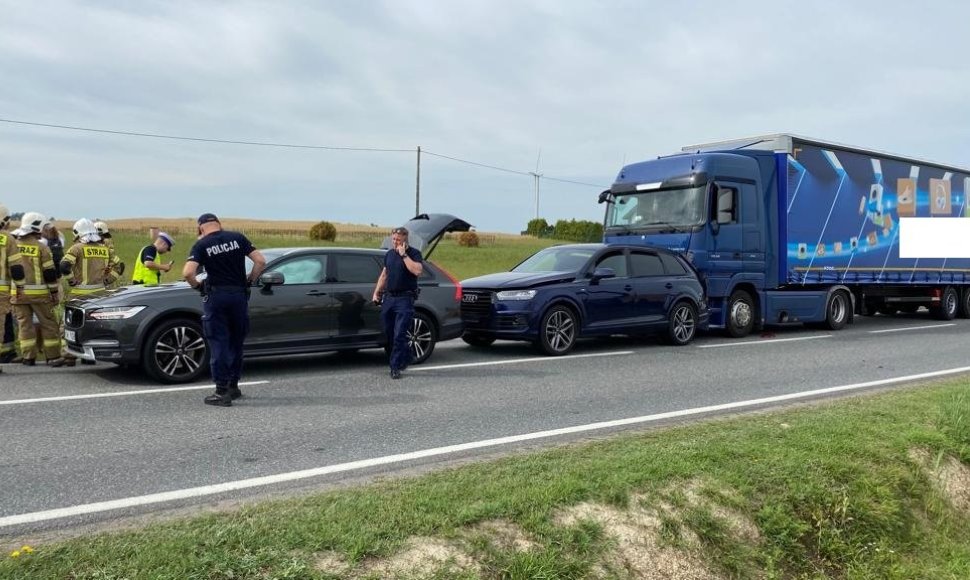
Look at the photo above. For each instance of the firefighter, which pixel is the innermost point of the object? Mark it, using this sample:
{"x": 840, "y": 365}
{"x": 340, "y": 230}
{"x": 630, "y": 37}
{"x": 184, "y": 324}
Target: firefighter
{"x": 9, "y": 258}
{"x": 89, "y": 266}
{"x": 35, "y": 292}
{"x": 105, "y": 234}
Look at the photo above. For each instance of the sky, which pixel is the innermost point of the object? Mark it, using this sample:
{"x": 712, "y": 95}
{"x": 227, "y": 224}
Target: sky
{"x": 569, "y": 90}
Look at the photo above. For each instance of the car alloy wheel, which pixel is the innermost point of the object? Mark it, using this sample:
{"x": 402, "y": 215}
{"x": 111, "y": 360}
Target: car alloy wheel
{"x": 683, "y": 324}
{"x": 176, "y": 352}
{"x": 421, "y": 338}
{"x": 558, "y": 331}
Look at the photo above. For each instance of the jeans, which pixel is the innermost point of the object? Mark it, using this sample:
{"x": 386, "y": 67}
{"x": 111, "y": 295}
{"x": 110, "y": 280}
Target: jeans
{"x": 397, "y": 314}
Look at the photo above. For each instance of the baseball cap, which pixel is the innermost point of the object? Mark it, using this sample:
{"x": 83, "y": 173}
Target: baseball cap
{"x": 168, "y": 239}
{"x": 207, "y": 217}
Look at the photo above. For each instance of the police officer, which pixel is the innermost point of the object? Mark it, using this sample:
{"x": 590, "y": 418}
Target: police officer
{"x": 225, "y": 318}
{"x": 398, "y": 283}
{"x": 148, "y": 269}
{"x": 35, "y": 292}
{"x": 89, "y": 265}
{"x": 9, "y": 257}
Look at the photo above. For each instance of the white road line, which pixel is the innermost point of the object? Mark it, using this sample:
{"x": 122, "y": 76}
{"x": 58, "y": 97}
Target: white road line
{"x": 120, "y": 394}
{"x": 154, "y": 498}
{"x": 912, "y": 328}
{"x": 519, "y": 360}
{"x": 770, "y": 341}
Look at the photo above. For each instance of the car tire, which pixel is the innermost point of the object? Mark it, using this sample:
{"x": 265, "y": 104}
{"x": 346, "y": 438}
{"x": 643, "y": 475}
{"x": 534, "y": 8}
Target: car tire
{"x": 477, "y": 340}
{"x": 740, "y": 314}
{"x": 176, "y": 351}
{"x": 558, "y": 331}
{"x": 949, "y": 304}
{"x": 422, "y": 337}
{"x": 837, "y": 310}
{"x": 682, "y": 326}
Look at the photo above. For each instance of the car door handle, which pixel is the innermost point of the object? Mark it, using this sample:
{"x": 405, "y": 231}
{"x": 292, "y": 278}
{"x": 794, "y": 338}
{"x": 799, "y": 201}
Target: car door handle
{"x": 668, "y": 285}
{"x": 316, "y": 293}
{"x": 628, "y": 287}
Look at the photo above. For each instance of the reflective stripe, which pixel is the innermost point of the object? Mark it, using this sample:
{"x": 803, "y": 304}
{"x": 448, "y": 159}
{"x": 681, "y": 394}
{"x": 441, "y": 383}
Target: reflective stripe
{"x": 27, "y": 343}
{"x": 51, "y": 342}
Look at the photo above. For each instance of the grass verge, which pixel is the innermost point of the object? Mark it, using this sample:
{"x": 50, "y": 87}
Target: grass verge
{"x": 853, "y": 488}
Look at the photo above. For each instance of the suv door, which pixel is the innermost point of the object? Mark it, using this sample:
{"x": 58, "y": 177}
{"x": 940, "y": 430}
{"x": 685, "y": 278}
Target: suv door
{"x": 652, "y": 287}
{"x": 609, "y": 302}
{"x": 351, "y": 282}
{"x": 296, "y": 314}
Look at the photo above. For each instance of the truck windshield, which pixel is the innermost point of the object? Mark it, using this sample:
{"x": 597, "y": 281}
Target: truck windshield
{"x": 667, "y": 208}
{"x": 556, "y": 259}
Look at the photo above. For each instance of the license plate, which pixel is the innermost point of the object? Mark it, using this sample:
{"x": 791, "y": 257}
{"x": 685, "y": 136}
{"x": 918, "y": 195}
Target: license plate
{"x": 70, "y": 335}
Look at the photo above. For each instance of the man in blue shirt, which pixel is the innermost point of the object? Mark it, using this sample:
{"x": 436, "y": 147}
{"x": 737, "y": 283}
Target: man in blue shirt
{"x": 225, "y": 308}
{"x": 398, "y": 283}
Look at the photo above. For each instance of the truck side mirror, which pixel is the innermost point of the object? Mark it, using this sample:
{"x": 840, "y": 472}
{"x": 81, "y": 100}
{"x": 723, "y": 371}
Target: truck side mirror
{"x": 722, "y": 206}
{"x": 606, "y": 196}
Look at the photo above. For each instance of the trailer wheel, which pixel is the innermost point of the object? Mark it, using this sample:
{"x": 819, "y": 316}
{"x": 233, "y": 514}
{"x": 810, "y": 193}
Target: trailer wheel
{"x": 837, "y": 311}
{"x": 949, "y": 304}
{"x": 740, "y": 314}
{"x": 964, "y": 303}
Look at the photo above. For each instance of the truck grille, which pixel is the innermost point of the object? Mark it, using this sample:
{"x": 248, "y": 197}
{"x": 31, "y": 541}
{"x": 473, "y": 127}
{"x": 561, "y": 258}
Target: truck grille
{"x": 73, "y": 317}
{"x": 476, "y": 306}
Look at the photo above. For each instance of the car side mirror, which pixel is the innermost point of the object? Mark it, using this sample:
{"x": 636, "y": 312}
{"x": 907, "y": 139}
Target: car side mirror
{"x": 270, "y": 279}
{"x": 601, "y": 273}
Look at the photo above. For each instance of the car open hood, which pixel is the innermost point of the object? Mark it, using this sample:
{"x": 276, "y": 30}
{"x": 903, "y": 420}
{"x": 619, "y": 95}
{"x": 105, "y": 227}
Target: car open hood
{"x": 427, "y": 229}
{"x": 517, "y": 279}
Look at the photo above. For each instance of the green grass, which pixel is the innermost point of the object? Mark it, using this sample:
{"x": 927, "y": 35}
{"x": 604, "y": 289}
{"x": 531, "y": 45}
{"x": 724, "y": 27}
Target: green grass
{"x": 461, "y": 262}
{"x": 830, "y": 488}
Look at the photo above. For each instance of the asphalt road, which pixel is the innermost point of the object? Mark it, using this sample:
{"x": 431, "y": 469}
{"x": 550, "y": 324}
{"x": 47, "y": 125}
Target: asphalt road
{"x": 94, "y": 445}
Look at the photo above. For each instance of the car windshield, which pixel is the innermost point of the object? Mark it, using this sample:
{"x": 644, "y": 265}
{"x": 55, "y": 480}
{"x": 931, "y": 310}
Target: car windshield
{"x": 673, "y": 207}
{"x": 556, "y": 259}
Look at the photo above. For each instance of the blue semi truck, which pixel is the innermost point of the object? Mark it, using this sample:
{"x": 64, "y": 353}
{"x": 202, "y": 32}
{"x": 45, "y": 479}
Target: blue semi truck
{"x": 784, "y": 229}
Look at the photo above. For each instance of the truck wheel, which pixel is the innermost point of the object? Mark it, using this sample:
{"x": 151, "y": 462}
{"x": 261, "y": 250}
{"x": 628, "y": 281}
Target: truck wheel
{"x": 740, "y": 314}
{"x": 477, "y": 340}
{"x": 837, "y": 311}
{"x": 557, "y": 331}
{"x": 964, "y": 303}
{"x": 949, "y": 304}
{"x": 176, "y": 352}
{"x": 682, "y": 326}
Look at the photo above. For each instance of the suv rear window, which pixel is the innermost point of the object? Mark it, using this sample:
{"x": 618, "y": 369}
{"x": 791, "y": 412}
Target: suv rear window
{"x": 673, "y": 265}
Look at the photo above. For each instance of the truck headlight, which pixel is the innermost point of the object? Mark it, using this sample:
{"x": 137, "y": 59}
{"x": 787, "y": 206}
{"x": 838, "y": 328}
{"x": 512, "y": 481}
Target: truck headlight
{"x": 115, "y": 312}
{"x": 515, "y": 295}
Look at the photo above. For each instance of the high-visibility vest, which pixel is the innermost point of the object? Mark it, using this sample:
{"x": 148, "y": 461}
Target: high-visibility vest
{"x": 143, "y": 275}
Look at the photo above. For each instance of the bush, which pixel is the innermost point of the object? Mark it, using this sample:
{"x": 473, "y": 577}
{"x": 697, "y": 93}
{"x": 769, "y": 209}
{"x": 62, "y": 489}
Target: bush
{"x": 468, "y": 239}
{"x": 537, "y": 227}
{"x": 323, "y": 231}
{"x": 579, "y": 231}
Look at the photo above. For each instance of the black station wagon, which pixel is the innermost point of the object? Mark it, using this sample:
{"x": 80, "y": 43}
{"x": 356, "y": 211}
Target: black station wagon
{"x": 308, "y": 300}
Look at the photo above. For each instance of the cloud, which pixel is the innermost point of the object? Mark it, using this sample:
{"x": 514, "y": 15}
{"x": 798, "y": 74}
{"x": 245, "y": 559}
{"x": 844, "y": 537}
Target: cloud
{"x": 591, "y": 84}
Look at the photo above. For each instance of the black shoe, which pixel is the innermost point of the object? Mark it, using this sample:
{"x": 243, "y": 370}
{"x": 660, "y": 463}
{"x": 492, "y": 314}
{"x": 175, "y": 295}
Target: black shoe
{"x": 235, "y": 393}
{"x": 219, "y": 399}
{"x": 28, "y": 362}
{"x": 7, "y": 357}
{"x": 85, "y": 361}
{"x": 395, "y": 374}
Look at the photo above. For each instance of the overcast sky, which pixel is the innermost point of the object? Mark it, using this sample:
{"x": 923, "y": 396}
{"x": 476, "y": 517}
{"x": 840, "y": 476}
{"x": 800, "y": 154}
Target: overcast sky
{"x": 591, "y": 84}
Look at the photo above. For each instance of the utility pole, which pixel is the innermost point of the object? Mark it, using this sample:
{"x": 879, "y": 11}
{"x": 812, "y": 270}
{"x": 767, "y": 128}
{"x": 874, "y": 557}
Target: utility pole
{"x": 417, "y": 186}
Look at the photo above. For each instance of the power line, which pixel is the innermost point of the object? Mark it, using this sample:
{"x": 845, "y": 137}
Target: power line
{"x": 290, "y": 146}
{"x": 204, "y": 140}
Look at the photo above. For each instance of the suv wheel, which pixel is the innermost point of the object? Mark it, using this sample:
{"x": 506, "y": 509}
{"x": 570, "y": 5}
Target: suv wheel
{"x": 557, "y": 331}
{"x": 176, "y": 352}
{"x": 683, "y": 324}
{"x": 422, "y": 337}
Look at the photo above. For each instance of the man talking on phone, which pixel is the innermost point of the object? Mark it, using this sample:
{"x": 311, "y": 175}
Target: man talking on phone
{"x": 398, "y": 285}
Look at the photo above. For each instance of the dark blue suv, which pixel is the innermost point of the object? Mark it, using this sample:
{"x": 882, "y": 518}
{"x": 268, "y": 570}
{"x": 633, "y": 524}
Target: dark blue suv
{"x": 562, "y": 293}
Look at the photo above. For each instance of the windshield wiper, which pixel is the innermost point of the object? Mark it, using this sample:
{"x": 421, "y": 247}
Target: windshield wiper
{"x": 619, "y": 231}
{"x": 671, "y": 228}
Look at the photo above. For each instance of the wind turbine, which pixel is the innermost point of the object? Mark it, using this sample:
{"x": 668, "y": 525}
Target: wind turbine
{"x": 536, "y": 175}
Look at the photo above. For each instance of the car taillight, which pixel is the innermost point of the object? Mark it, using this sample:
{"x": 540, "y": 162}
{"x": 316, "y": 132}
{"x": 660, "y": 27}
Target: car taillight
{"x": 454, "y": 281}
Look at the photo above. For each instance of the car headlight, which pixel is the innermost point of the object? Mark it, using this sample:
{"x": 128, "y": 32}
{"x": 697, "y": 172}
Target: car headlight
{"x": 515, "y": 295}
{"x": 115, "y": 312}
